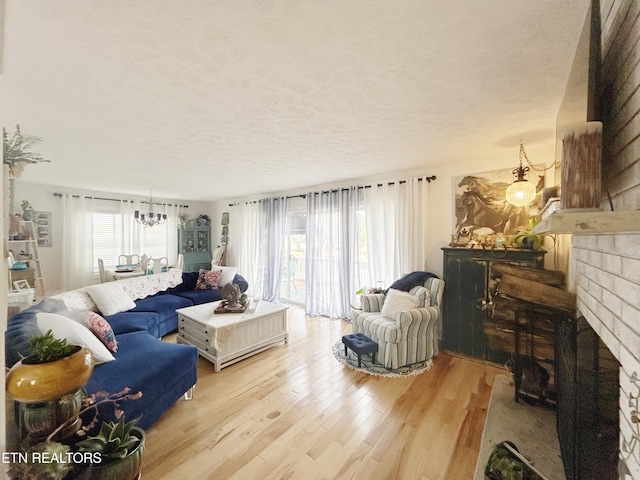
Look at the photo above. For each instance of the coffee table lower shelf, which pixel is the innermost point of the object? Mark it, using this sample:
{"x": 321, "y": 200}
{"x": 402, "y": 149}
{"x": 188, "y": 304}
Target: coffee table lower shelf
{"x": 236, "y": 336}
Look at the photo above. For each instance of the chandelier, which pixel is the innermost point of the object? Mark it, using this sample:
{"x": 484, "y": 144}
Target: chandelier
{"x": 150, "y": 219}
{"x": 521, "y": 193}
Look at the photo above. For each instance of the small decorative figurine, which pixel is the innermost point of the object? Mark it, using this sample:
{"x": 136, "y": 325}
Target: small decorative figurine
{"x": 231, "y": 293}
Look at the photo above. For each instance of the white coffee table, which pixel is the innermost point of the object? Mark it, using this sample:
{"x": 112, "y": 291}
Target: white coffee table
{"x": 227, "y": 338}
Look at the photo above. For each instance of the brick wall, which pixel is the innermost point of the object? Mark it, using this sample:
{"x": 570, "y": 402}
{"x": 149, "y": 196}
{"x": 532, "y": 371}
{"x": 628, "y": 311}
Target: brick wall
{"x": 605, "y": 273}
{"x": 605, "y": 269}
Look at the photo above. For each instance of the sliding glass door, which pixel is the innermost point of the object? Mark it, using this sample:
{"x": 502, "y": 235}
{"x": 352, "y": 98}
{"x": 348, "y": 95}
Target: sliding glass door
{"x": 292, "y": 288}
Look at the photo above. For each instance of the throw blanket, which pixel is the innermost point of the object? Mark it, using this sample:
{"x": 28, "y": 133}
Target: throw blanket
{"x": 411, "y": 280}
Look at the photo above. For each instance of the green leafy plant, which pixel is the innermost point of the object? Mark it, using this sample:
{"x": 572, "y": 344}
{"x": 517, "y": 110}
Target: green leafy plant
{"x": 526, "y": 238}
{"x": 55, "y": 469}
{"x": 46, "y": 348}
{"x": 17, "y": 151}
{"x": 203, "y": 219}
{"x": 115, "y": 440}
{"x": 17, "y": 155}
{"x": 183, "y": 218}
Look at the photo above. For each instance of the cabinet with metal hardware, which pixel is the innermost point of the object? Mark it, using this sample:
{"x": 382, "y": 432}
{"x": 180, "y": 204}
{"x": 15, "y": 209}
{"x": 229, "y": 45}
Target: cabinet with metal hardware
{"x": 467, "y": 293}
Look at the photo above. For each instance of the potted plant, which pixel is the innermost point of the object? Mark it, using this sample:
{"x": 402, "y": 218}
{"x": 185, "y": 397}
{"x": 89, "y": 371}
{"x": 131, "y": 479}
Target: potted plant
{"x": 34, "y": 468}
{"x": 526, "y": 238}
{"x": 54, "y": 369}
{"x": 27, "y": 210}
{"x": 17, "y": 154}
{"x": 47, "y": 385}
{"x": 183, "y": 218}
{"x": 203, "y": 219}
{"x": 506, "y": 463}
{"x": 66, "y": 458}
{"x": 120, "y": 445}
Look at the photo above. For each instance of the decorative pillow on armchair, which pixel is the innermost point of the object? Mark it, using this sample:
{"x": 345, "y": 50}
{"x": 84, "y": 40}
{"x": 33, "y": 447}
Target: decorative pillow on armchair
{"x": 423, "y": 296}
{"x": 208, "y": 279}
{"x": 397, "y": 302}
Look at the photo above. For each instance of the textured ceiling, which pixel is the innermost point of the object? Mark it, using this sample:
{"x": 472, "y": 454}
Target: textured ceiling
{"x": 207, "y": 100}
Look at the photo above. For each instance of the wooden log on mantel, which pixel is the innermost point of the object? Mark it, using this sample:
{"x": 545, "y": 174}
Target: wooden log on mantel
{"x": 581, "y": 166}
{"x": 536, "y": 292}
{"x": 554, "y": 278}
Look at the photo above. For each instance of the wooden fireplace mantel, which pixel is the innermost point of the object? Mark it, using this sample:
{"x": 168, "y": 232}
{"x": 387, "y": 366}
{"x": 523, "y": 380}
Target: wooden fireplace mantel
{"x": 590, "y": 222}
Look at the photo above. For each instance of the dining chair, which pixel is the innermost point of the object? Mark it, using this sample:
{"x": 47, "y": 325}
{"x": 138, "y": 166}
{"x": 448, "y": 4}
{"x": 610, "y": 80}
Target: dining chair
{"x": 179, "y": 265}
{"x": 133, "y": 259}
{"x": 157, "y": 265}
{"x": 105, "y": 275}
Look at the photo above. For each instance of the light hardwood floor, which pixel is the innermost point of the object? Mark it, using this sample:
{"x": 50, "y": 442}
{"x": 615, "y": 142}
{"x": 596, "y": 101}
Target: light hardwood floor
{"x": 294, "y": 412}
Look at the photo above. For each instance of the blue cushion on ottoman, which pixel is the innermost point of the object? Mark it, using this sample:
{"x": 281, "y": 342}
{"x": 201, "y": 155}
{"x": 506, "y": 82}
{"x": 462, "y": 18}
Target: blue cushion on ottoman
{"x": 361, "y": 345}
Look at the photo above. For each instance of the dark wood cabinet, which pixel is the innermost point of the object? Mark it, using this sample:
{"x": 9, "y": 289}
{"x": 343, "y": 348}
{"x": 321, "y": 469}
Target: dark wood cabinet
{"x": 467, "y": 279}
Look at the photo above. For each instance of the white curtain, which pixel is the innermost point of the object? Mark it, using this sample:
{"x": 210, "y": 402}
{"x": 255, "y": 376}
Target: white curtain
{"x": 261, "y": 230}
{"x": 396, "y": 217}
{"x": 247, "y": 218}
{"x": 77, "y": 241}
{"x": 273, "y": 225}
{"x": 332, "y": 252}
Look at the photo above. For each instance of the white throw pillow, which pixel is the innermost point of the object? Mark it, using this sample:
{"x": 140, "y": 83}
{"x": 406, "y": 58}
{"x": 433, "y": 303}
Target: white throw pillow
{"x": 110, "y": 298}
{"x": 74, "y": 333}
{"x": 228, "y": 273}
{"x": 397, "y": 301}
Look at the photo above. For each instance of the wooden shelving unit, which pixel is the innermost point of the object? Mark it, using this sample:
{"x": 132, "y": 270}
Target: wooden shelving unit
{"x": 29, "y": 246}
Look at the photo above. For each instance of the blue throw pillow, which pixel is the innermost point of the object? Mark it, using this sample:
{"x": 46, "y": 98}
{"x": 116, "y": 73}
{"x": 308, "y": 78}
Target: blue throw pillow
{"x": 413, "y": 279}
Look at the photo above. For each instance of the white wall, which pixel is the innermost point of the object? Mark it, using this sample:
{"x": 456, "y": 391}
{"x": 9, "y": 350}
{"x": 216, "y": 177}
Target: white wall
{"x": 41, "y": 198}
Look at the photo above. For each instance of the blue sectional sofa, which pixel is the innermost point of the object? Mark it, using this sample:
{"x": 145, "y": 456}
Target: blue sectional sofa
{"x": 162, "y": 371}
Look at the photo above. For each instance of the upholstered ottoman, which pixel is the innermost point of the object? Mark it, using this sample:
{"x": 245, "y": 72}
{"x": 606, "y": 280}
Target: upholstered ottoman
{"x": 361, "y": 345}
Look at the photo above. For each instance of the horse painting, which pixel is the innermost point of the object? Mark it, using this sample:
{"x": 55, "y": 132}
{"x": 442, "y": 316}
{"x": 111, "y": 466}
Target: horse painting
{"x": 481, "y": 207}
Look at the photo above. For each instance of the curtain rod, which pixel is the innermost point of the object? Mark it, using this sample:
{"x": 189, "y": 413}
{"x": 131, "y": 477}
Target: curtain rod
{"x": 304, "y": 195}
{"x": 124, "y": 200}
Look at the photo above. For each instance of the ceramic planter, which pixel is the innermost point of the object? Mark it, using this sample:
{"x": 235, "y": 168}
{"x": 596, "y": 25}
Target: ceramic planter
{"x": 42, "y": 418}
{"x": 127, "y": 468}
{"x": 31, "y": 383}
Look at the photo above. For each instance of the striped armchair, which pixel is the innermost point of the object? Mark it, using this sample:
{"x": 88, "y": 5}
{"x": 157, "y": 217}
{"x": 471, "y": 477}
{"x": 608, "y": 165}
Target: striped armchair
{"x": 410, "y": 337}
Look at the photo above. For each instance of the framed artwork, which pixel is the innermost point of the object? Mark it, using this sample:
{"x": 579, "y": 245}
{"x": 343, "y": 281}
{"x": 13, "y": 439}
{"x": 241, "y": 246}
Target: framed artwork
{"x": 225, "y": 230}
{"x": 223, "y": 240}
{"x": 480, "y": 205}
{"x": 225, "y": 218}
{"x": 43, "y": 228}
{"x": 21, "y": 285}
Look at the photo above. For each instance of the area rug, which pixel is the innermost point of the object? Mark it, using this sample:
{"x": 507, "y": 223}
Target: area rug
{"x": 351, "y": 360}
{"x": 532, "y": 428}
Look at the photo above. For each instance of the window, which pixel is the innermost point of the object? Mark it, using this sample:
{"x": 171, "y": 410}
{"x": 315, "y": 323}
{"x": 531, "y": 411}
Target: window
{"x": 109, "y": 239}
{"x": 153, "y": 240}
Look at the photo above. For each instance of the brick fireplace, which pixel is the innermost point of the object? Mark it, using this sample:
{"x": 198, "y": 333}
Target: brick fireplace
{"x": 605, "y": 275}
